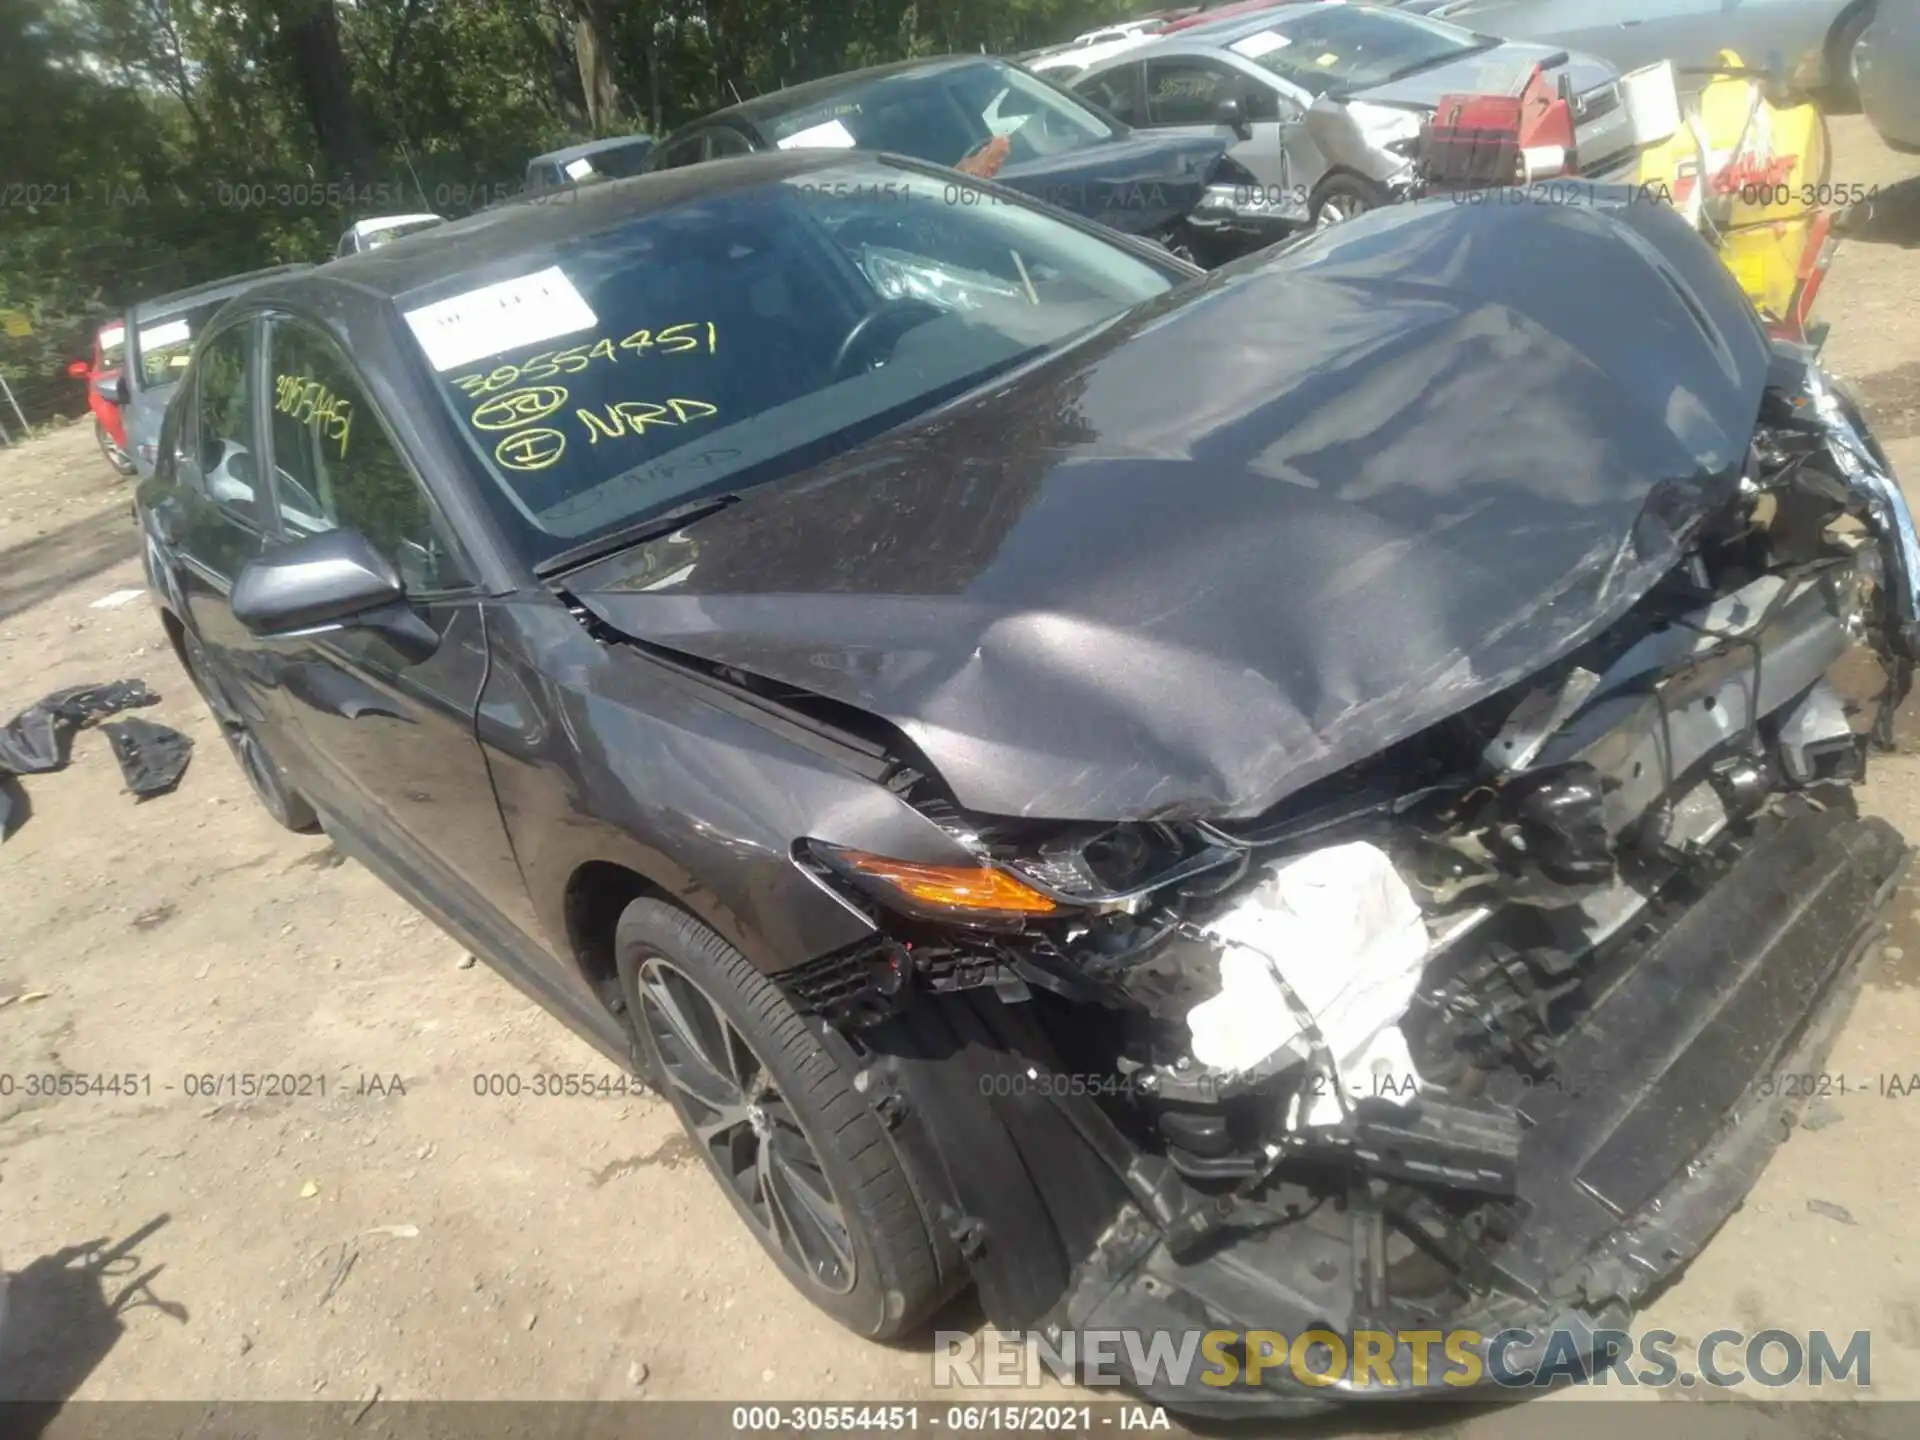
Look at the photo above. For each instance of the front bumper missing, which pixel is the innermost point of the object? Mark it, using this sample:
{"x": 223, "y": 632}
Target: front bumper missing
{"x": 1663, "y": 1119}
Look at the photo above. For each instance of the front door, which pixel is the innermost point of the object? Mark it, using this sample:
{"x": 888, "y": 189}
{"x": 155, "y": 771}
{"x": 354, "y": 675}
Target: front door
{"x": 386, "y": 738}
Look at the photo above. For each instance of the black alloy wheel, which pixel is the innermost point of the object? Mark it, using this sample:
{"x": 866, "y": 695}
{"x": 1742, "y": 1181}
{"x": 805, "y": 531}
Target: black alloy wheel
{"x": 270, "y": 784}
{"x": 773, "y": 1100}
{"x": 744, "y": 1126}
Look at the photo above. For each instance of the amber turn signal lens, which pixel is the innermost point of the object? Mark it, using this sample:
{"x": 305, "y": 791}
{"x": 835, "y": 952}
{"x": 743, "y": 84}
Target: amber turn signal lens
{"x": 952, "y": 887}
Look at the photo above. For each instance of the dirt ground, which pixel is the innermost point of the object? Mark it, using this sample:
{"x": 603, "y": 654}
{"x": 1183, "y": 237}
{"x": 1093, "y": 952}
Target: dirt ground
{"x": 400, "y": 1234}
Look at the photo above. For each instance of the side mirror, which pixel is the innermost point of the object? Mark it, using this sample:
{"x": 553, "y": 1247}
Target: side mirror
{"x": 320, "y": 583}
{"x": 79, "y": 369}
{"x": 1233, "y": 115}
{"x": 330, "y": 581}
{"x": 112, "y": 389}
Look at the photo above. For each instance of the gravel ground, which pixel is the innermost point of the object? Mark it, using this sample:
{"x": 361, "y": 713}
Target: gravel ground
{"x": 401, "y": 1233}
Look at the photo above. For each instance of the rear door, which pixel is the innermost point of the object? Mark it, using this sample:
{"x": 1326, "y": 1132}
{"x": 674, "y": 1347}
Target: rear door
{"x": 212, "y": 508}
{"x": 386, "y": 740}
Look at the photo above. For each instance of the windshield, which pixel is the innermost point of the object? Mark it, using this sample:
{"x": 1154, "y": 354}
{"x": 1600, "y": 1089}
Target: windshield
{"x": 750, "y": 332}
{"x": 163, "y": 344}
{"x": 946, "y": 115}
{"x": 1345, "y": 48}
{"x": 113, "y": 345}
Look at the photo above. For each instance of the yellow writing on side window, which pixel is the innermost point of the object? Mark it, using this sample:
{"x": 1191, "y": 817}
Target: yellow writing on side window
{"x": 310, "y": 402}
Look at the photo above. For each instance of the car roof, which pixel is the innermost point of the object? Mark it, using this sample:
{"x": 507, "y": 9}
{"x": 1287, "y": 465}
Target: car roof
{"x": 225, "y": 289}
{"x": 776, "y": 103}
{"x": 591, "y": 147}
{"x": 1226, "y": 14}
{"x": 1094, "y": 56}
{"x": 1221, "y": 34}
{"x": 475, "y": 242}
{"x": 1237, "y": 27}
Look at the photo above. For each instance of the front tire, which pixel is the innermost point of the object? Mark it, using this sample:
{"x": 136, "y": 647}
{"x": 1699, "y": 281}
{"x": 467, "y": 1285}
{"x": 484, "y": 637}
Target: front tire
{"x": 270, "y": 784}
{"x": 116, "y": 457}
{"x": 1843, "y": 82}
{"x": 800, "y": 1155}
{"x": 1342, "y": 197}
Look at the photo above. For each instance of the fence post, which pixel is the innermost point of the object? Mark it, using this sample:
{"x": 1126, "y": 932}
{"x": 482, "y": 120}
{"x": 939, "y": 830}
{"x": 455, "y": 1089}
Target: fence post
{"x": 25, "y": 429}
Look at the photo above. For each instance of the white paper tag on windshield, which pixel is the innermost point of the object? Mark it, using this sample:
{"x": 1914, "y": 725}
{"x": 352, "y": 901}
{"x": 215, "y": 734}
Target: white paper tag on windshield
{"x": 113, "y": 335}
{"x": 1265, "y": 43}
{"x": 578, "y": 169}
{"x": 831, "y": 136}
{"x": 497, "y": 318}
{"x": 174, "y": 332}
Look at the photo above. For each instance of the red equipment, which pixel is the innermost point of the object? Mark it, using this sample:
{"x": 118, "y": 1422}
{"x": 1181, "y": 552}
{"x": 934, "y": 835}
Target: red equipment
{"x": 1475, "y": 140}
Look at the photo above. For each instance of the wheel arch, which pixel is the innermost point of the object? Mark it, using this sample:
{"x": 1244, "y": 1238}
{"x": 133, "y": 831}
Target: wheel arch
{"x": 1836, "y": 49}
{"x": 176, "y": 633}
{"x": 1337, "y": 173}
{"x": 596, "y": 894}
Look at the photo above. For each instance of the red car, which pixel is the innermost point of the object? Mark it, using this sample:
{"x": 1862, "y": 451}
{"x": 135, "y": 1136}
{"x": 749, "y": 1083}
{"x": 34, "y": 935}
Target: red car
{"x": 106, "y": 392}
{"x": 1207, "y": 14}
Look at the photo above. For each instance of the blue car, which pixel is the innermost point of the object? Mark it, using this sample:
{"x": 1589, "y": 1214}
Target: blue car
{"x": 160, "y": 337}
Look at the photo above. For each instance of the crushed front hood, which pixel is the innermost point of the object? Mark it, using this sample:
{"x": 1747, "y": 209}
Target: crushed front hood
{"x": 1256, "y": 531}
{"x": 1139, "y": 182}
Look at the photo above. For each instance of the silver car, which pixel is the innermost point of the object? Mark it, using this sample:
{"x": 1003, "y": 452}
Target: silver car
{"x": 1327, "y": 101}
{"x": 1811, "y": 40}
{"x": 1886, "y": 67}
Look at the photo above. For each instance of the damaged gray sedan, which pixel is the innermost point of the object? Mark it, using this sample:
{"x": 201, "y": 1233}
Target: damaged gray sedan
{"x": 1315, "y": 796}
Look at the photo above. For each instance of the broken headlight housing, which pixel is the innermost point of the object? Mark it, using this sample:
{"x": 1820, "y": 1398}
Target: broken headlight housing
{"x": 960, "y": 894}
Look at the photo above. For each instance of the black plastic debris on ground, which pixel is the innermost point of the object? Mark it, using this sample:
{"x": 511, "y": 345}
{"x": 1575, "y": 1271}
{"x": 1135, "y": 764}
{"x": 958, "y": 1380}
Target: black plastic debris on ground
{"x": 38, "y": 739}
{"x": 152, "y": 757}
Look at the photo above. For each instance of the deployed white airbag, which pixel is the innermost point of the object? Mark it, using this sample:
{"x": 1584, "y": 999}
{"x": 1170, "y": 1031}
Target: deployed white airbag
{"x": 1341, "y": 928}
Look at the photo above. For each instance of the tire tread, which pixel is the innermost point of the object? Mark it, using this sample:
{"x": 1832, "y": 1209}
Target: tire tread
{"x": 882, "y": 1202}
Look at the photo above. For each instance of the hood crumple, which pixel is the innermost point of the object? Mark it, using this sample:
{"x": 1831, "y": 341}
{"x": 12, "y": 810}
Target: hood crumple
{"x": 1138, "y": 183}
{"x": 1256, "y": 531}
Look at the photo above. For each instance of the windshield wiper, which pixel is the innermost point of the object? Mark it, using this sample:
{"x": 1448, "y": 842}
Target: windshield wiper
{"x": 663, "y": 522}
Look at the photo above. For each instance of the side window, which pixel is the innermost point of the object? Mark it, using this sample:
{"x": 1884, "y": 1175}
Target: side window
{"x": 334, "y": 465}
{"x": 1188, "y": 92}
{"x": 726, "y": 142}
{"x": 1113, "y": 92}
{"x": 1260, "y": 103}
{"x": 688, "y": 150}
{"x": 224, "y": 447}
